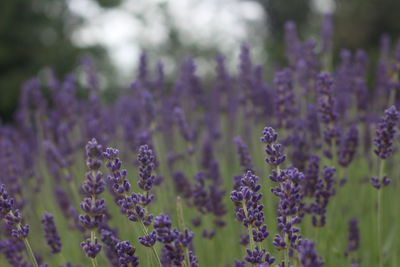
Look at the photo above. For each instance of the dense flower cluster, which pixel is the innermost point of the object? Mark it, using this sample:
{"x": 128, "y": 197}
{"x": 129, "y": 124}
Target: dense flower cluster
{"x": 385, "y": 133}
{"x": 51, "y": 234}
{"x": 93, "y": 206}
{"x": 327, "y": 111}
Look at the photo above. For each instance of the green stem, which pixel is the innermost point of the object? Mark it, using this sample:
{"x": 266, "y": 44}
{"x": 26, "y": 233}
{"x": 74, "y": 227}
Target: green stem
{"x": 94, "y": 262}
{"x": 249, "y": 228}
{"x": 392, "y": 97}
{"x": 379, "y": 222}
{"x": 287, "y": 257}
{"x": 146, "y": 232}
{"x": 30, "y": 252}
{"x": 181, "y": 224}
{"x": 334, "y": 152}
{"x": 92, "y": 239}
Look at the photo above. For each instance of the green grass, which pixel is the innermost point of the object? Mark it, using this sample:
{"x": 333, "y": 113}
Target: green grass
{"x": 357, "y": 198}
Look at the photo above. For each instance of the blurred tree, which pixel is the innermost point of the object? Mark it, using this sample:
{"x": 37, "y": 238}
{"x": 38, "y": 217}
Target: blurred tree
{"x": 278, "y": 12}
{"x": 35, "y": 34}
{"x": 360, "y": 23}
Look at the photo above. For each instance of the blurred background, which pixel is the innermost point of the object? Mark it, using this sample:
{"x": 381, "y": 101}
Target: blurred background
{"x": 38, "y": 35}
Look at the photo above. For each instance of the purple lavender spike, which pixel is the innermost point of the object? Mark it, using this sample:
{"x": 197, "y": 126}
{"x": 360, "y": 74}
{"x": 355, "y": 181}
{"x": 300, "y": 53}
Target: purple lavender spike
{"x": 51, "y": 233}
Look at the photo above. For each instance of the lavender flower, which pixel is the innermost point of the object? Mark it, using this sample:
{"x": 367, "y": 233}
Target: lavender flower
{"x": 385, "y": 133}
{"x": 348, "y": 146}
{"x": 146, "y": 160}
{"x": 274, "y": 150}
{"x": 126, "y": 254}
{"x": 93, "y": 206}
{"x": 244, "y": 155}
{"x": 327, "y": 111}
{"x": 290, "y": 206}
{"x": 182, "y": 184}
{"x": 13, "y": 219}
{"x": 284, "y": 98}
{"x": 11, "y": 216}
{"x": 175, "y": 242}
{"x": 91, "y": 247}
{"x": 324, "y": 191}
{"x": 51, "y": 234}
{"x": 311, "y": 176}
{"x": 117, "y": 178}
{"x": 308, "y": 256}
{"x": 249, "y": 211}
{"x": 184, "y": 128}
{"x": 354, "y": 235}
{"x": 148, "y": 240}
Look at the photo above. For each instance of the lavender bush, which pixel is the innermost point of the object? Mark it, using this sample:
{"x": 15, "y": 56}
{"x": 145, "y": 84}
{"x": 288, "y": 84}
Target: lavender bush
{"x": 173, "y": 172}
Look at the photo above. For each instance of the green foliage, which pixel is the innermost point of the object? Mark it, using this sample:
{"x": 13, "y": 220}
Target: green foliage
{"x": 33, "y": 35}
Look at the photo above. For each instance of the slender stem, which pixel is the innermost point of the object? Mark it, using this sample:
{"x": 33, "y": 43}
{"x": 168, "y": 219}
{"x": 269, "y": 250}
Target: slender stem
{"x": 30, "y": 252}
{"x": 287, "y": 257}
{"x": 92, "y": 239}
{"x": 392, "y": 97}
{"x": 94, "y": 262}
{"x": 181, "y": 223}
{"x": 379, "y": 223}
{"x": 62, "y": 258}
{"x": 146, "y": 232}
{"x": 249, "y": 228}
{"x": 156, "y": 255}
{"x": 334, "y": 152}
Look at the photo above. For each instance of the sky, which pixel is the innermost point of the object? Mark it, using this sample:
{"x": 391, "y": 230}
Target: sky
{"x": 124, "y": 31}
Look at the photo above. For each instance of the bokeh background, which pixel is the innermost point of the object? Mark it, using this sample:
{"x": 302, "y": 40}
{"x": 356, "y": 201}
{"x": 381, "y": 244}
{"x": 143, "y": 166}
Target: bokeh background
{"x": 39, "y": 35}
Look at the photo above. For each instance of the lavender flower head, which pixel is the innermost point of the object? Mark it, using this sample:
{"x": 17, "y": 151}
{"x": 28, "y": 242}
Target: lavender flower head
{"x": 146, "y": 159}
{"x": 92, "y": 187}
{"x": 51, "y": 234}
{"x": 284, "y": 98}
{"x": 184, "y": 128}
{"x": 119, "y": 184}
{"x": 126, "y": 254}
{"x": 385, "y": 133}
{"x": 348, "y": 147}
{"x": 11, "y": 216}
{"x": 274, "y": 150}
{"x": 249, "y": 211}
{"x": 93, "y": 206}
{"x": 308, "y": 256}
{"x": 290, "y": 206}
{"x": 354, "y": 235}
{"x": 327, "y": 110}
{"x": 244, "y": 155}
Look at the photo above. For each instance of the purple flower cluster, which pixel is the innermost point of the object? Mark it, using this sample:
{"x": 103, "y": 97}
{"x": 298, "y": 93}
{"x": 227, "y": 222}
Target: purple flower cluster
{"x": 308, "y": 256}
{"x": 290, "y": 206}
{"x": 249, "y": 211}
{"x": 208, "y": 197}
{"x": 284, "y": 98}
{"x": 126, "y": 254}
{"x": 348, "y": 147}
{"x": 147, "y": 164}
{"x": 273, "y": 149}
{"x": 244, "y": 155}
{"x": 354, "y": 235}
{"x": 327, "y": 110}
{"x": 385, "y": 133}
{"x": 175, "y": 242}
{"x": 51, "y": 234}
{"x": 93, "y": 206}
{"x": 12, "y": 217}
{"x": 117, "y": 177}
{"x": 325, "y": 189}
